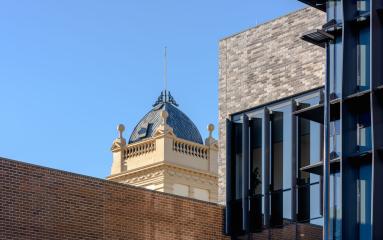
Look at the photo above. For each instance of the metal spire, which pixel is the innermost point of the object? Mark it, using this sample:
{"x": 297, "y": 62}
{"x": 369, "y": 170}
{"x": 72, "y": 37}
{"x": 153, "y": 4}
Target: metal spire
{"x": 165, "y": 71}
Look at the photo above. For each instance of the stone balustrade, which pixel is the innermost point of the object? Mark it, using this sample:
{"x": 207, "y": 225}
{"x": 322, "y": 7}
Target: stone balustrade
{"x": 140, "y": 148}
{"x": 191, "y": 149}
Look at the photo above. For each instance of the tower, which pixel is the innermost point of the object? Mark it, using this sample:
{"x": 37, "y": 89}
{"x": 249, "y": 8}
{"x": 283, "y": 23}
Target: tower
{"x": 165, "y": 152}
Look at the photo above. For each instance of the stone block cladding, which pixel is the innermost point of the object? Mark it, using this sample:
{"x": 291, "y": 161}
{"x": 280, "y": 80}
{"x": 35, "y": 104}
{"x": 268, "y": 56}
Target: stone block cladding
{"x": 264, "y": 64}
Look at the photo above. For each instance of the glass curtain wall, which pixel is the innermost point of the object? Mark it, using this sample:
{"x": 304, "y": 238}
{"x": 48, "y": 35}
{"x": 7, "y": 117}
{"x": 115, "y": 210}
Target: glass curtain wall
{"x": 277, "y": 131}
{"x": 280, "y": 166}
{"x": 363, "y": 59}
{"x": 256, "y": 175}
{"x": 310, "y": 137}
{"x": 334, "y": 12}
{"x": 364, "y": 201}
{"x": 238, "y": 161}
{"x": 335, "y": 206}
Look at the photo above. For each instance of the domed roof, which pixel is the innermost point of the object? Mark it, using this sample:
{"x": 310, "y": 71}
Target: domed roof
{"x": 182, "y": 126}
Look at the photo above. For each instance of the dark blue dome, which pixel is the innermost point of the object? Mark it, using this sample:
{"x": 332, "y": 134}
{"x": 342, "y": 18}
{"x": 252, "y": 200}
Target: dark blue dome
{"x": 182, "y": 126}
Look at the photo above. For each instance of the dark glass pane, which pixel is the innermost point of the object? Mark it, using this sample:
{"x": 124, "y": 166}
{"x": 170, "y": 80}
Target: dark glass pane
{"x": 364, "y": 132}
{"x": 237, "y": 178}
{"x": 256, "y": 174}
{"x": 281, "y": 165}
{"x": 335, "y": 144}
{"x": 363, "y": 58}
{"x": 238, "y": 161}
{"x": 302, "y": 104}
{"x": 364, "y": 201}
{"x": 309, "y": 152}
{"x": 335, "y": 68}
{"x": 335, "y": 206}
{"x": 277, "y": 151}
{"x": 276, "y": 195}
{"x": 334, "y": 10}
{"x": 256, "y": 157}
{"x": 363, "y": 6}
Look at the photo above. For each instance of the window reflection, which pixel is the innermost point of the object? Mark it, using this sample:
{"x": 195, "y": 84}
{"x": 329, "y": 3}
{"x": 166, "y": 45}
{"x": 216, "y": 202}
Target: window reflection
{"x": 363, "y": 60}
{"x": 363, "y": 132}
{"x": 305, "y": 103}
{"x": 256, "y": 175}
{"x": 335, "y": 143}
{"x": 280, "y": 191}
{"x": 310, "y": 139}
{"x": 335, "y": 206}
{"x": 363, "y": 6}
{"x": 237, "y": 178}
{"x": 335, "y": 67}
{"x": 334, "y": 10}
{"x": 238, "y": 161}
{"x": 364, "y": 201}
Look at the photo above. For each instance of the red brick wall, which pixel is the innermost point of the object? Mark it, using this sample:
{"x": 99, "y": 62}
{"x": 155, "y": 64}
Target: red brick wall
{"x": 43, "y": 203}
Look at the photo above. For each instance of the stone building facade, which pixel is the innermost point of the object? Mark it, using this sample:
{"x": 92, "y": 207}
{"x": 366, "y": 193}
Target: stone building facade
{"x": 165, "y": 152}
{"x": 264, "y": 64}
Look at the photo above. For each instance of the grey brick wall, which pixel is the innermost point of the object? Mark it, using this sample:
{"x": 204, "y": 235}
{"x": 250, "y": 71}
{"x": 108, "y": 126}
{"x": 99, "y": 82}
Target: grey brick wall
{"x": 266, "y": 63}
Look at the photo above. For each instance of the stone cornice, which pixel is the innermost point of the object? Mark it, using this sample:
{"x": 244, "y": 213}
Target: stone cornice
{"x": 161, "y": 167}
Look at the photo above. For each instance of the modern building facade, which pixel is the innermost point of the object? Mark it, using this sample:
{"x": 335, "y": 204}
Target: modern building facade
{"x": 314, "y": 156}
{"x": 352, "y": 117}
{"x": 166, "y": 153}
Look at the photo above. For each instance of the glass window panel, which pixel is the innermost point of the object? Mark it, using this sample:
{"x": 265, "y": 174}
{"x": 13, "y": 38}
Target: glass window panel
{"x": 364, "y": 201}
{"x": 238, "y": 160}
{"x": 256, "y": 175}
{"x": 287, "y": 204}
{"x": 335, "y": 143}
{"x": 304, "y": 103}
{"x": 335, "y": 206}
{"x": 363, "y": 58}
{"x": 364, "y": 132}
{"x": 256, "y": 157}
{"x": 335, "y": 68}
{"x": 363, "y": 6}
{"x": 281, "y": 161}
{"x": 277, "y": 151}
{"x": 310, "y": 149}
{"x": 334, "y": 10}
{"x": 315, "y": 204}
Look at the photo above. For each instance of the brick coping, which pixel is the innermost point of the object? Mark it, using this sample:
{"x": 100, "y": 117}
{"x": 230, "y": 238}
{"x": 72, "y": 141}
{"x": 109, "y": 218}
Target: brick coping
{"x": 95, "y": 179}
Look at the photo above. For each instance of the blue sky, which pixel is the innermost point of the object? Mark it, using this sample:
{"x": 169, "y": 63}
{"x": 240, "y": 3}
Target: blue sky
{"x": 71, "y": 70}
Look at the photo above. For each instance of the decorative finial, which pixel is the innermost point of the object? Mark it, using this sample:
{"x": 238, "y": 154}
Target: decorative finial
{"x": 210, "y": 128}
{"x": 120, "y": 129}
{"x": 164, "y": 116}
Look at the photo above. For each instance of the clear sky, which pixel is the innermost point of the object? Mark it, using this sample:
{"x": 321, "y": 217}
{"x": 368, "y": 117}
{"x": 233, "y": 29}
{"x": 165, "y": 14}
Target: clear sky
{"x": 71, "y": 70}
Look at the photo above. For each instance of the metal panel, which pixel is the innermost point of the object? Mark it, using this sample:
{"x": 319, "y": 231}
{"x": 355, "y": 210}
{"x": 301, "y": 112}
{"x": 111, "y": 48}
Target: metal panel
{"x": 377, "y": 165}
{"x": 266, "y": 163}
{"x": 349, "y": 81}
{"x": 293, "y": 162}
{"x": 245, "y": 173}
{"x": 326, "y": 160}
{"x": 376, "y": 26}
{"x": 319, "y": 4}
{"x": 229, "y": 193}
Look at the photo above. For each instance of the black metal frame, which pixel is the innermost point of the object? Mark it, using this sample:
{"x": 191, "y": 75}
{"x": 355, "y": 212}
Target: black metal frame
{"x": 319, "y": 4}
{"x": 244, "y": 122}
{"x": 348, "y": 107}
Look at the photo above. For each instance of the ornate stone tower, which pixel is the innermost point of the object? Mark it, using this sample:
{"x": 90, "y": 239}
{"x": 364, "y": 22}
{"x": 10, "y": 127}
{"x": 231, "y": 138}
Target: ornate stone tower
{"x": 166, "y": 153}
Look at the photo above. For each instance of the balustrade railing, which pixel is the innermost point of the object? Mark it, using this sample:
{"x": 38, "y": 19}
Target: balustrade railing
{"x": 139, "y": 149}
{"x": 191, "y": 149}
